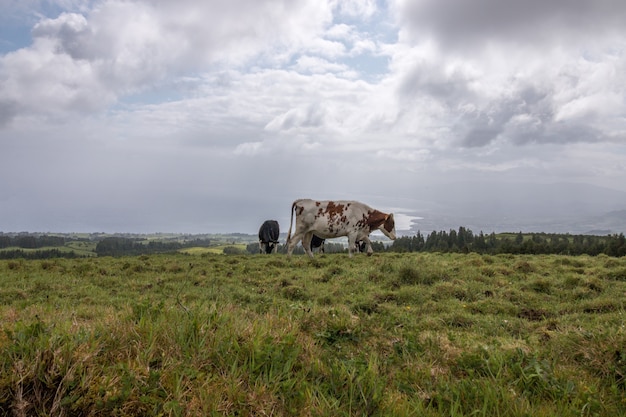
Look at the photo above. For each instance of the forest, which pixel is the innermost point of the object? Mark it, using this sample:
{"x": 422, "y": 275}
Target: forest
{"x": 465, "y": 241}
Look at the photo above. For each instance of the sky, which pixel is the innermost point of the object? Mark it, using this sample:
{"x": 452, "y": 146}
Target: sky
{"x": 211, "y": 116}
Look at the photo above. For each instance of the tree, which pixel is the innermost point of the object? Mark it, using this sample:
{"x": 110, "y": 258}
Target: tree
{"x": 616, "y": 245}
{"x": 480, "y": 244}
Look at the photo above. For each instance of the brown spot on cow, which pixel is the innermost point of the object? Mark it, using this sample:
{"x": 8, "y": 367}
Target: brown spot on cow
{"x": 375, "y": 219}
{"x": 334, "y": 210}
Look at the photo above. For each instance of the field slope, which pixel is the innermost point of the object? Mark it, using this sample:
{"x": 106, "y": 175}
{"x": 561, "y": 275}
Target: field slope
{"x": 387, "y": 335}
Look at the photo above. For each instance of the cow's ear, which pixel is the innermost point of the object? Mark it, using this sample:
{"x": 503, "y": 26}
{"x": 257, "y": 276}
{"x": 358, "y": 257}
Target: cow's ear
{"x": 390, "y": 222}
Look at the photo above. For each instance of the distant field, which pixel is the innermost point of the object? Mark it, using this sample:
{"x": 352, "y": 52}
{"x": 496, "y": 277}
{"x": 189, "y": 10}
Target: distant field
{"x": 415, "y": 334}
{"x": 79, "y": 248}
{"x": 213, "y": 249}
{"x": 82, "y": 248}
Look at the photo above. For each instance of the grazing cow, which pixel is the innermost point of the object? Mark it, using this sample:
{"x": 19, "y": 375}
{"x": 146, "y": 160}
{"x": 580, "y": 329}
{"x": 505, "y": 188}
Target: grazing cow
{"x": 328, "y": 219}
{"x": 268, "y": 236}
{"x": 317, "y": 242}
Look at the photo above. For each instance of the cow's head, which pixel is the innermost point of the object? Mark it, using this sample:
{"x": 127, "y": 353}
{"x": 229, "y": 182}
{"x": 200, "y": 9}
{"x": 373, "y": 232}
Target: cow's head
{"x": 267, "y": 247}
{"x": 270, "y": 247}
{"x": 383, "y": 222}
{"x": 389, "y": 227}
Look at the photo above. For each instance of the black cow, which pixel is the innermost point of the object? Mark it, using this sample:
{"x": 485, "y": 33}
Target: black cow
{"x": 359, "y": 246}
{"x": 268, "y": 236}
{"x": 317, "y": 242}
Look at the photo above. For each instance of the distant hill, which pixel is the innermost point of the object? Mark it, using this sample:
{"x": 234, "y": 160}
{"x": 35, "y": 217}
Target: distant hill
{"x": 557, "y": 208}
{"x": 611, "y": 222}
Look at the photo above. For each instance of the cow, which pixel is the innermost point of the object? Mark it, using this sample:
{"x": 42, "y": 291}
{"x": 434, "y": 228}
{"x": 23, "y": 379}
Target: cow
{"x": 359, "y": 246}
{"x": 328, "y": 219}
{"x": 317, "y": 242}
{"x": 268, "y": 236}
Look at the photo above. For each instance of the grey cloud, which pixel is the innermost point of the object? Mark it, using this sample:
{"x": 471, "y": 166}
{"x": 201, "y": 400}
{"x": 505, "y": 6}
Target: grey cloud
{"x": 8, "y": 110}
{"x": 426, "y": 79}
{"x": 480, "y": 136}
{"x": 558, "y": 132}
{"x": 539, "y": 128}
{"x": 475, "y": 120}
{"x": 458, "y": 22}
{"x": 71, "y": 31}
{"x": 521, "y": 111}
{"x": 527, "y": 117}
{"x": 309, "y": 116}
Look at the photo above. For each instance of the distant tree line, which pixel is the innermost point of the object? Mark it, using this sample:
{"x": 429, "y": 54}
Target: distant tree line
{"x": 31, "y": 246}
{"x": 122, "y": 246}
{"x": 464, "y": 240}
{"x": 34, "y": 246}
{"x": 28, "y": 246}
{"x": 28, "y": 241}
{"x": 37, "y": 254}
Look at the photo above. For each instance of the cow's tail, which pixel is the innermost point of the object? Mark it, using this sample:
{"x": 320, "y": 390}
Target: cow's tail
{"x": 293, "y": 208}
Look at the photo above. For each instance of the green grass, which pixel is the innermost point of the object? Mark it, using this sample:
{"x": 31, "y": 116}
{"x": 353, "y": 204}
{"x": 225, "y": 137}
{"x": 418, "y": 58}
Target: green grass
{"x": 216, "y": 250}
{"x": 86, "y": 249}
{"x": 386, "y": 335}
{"x": 82, "y": 248}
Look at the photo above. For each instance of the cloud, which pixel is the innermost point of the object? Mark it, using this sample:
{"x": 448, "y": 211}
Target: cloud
{"x": 524, "y": 73}
{"x": 410, "y": 155}
{"x": 356, "y": 8}
{"x": 249, "y": 148}
{"x": 464, "y": 25}
{"x": 8, "y": 110}
{"x": 87, "y": 61}
{"x": 316, "y": 65}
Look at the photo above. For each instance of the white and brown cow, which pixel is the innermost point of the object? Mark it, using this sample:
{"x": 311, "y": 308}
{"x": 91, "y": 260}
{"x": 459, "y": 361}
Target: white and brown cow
{"x": 328, "y": 219}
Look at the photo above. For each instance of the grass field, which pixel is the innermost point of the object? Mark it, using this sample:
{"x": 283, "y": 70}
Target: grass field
{"x": 80, "y": 249}
{"x": 215, "y": 250}
{"x": 388, "y": 335}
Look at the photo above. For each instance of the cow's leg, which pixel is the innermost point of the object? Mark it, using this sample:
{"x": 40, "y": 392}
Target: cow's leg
{"x": 261, "y": 246}
{"x": 368, "y": 244}
{"x": 291, "y": 244}
{"x": 306, "y": 243}
{"x": 351, "y": 243}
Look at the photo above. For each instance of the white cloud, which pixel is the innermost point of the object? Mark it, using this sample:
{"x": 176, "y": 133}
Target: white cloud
{"x": 356, "y": 8}
{"x": 405, "y": 154}
{"x": 124, "y": 47}
{"x": 249, "y": 148}
{"x": 315, "y": 65}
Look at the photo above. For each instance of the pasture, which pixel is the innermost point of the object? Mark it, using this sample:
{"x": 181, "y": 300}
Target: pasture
{"x": 409, "y": 334}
